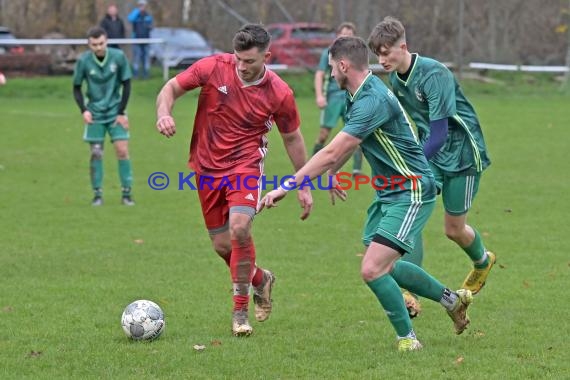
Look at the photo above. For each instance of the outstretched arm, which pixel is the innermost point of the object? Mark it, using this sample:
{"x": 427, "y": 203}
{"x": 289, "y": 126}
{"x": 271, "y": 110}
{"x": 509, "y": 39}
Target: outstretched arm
{"x": 164, "y": 104}
{"x": 332, "y": 156}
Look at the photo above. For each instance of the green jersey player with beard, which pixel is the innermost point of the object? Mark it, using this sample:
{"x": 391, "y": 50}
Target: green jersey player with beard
{"x": 107, "y": 74}
{"x": 376, "y": 122}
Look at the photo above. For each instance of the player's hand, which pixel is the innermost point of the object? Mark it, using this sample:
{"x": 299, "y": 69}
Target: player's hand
{"x": 166, "y": 126}
{"x": 123, "y": 121}
{"x": 305, "y": 199}
{"x": 321, "y": 101}
{"x": 270, "y": 199}
{"x": 87, "y": 117}
{"x": 336, "y": 191}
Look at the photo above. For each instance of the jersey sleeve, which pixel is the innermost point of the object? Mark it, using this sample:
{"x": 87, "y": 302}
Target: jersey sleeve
{"x": 287, "y": 117}
{"x": 439, "y": 90}
{"x": 78, "y": 73}
{"x": 125, "y": 73}
{"x": 324, "y": 61}
{"x": 196, "y": 75}
{"x": 366, "y": 116}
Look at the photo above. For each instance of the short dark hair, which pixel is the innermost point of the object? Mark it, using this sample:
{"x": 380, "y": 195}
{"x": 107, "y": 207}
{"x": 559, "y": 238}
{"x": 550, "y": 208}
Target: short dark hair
{"x": 352, "y": 48}
{"x": 96, "y": 32}
{"x": 250, "y": 36}
{"x": 386, "y": 34}
{"x": 346, "y": 25}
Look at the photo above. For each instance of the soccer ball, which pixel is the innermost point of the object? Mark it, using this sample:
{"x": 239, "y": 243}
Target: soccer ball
{"x": 143, "y": 320}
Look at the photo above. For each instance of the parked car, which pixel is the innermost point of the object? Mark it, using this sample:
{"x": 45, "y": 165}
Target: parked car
{"x": 299, "y": 44}
{"x": 182, "y": 47}
{"x": 5, "y": 34}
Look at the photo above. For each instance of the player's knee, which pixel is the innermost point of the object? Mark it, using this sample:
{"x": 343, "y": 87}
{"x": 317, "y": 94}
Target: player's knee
{"x": 123, "y": 154}
{"x": 122, "y": 151}
{"x": 223, "y": 249}
{"x": 96, "y": 151}
{"x": 240, "y": 232}
{"x": 370, "y": 272}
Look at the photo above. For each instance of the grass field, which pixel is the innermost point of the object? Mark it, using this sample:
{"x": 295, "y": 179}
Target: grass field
{"x": 67, "y": 270}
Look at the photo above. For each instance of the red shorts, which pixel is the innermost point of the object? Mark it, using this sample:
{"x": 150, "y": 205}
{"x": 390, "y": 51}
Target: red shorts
{"x": 218, "y": 195}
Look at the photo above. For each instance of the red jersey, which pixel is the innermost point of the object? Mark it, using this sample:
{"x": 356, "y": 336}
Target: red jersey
{"x": 232, "y": 118}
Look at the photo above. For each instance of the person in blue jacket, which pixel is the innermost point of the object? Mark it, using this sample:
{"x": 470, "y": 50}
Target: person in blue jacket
{"x": 141, "y": 21}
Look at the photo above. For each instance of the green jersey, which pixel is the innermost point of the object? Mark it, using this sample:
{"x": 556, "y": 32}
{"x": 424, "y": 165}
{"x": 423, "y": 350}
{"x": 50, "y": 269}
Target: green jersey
{"x": 431, "y": 92}
{"x": 104, "y": 80}
{"x": 330, "y": 86}
{"x": 375, "y": 116}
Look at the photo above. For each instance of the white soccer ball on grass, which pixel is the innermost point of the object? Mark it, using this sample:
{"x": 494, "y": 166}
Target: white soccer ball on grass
{"x": 143, "y": 320}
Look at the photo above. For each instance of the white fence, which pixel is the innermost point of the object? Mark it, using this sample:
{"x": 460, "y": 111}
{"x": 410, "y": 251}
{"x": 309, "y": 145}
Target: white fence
{"x": 277, "y": 67}
{"x": 83, "y": 42}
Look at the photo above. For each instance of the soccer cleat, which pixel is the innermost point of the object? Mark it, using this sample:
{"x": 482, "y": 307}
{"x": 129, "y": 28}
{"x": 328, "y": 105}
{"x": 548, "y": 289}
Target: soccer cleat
{"x": 240, "y": 324}
{"x": 127, "y": 200}
{"x": 477, "y": 277}
{"x": 409, "y": 344}
{"x": 459, "y": 313}
{"x": 262, "y": 296}
{"x": 97, "y": 201}
{"x": 412, "y": 304}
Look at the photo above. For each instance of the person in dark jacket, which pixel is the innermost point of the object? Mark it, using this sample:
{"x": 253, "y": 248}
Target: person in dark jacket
{"x": 113, "y": 24}
{"x": 141, "y": 21}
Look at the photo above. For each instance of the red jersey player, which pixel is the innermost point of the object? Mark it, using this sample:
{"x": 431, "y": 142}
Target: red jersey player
{"x": 239, "y": 101}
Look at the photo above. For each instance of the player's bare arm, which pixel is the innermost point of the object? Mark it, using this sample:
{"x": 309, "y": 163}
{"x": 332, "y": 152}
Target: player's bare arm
{"x": 295, "y": 147}
{"x": 164, "y": 103}
{"x": 332, "y": 157}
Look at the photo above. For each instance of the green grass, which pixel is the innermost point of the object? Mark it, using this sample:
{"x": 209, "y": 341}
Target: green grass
{"x": 67, "y": 270}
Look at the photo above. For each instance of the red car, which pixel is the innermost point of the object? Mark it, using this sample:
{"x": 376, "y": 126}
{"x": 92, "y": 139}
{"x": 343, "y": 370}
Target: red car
{"x": 299, "y": 44}
{"x": 5, "y": 34}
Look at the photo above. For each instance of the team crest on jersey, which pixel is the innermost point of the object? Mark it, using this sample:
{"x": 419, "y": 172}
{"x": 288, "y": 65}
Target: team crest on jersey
{"x": 419, "y": 95}
{"x": 113, "y": 67}
{"x": 92, "y": 72}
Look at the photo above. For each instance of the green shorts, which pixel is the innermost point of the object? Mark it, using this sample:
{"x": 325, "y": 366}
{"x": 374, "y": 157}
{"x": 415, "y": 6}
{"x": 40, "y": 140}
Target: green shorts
{"x": 457, "y": 192}
{"x": 401, "y": 222}
{"x": 95, "y": 133}
{"x": 335, "y": 110}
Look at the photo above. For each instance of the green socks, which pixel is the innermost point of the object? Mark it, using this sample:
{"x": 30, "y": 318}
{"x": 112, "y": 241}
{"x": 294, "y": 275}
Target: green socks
{"x": 388, "y": 293}
{"x": 126, "y": 176}
{"x": 476, "y": 251}
{"x": 416, "y": 280}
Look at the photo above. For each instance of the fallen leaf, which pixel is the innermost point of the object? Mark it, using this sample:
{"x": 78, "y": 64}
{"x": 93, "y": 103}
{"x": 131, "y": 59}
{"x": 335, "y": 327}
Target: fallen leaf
{"x": 526, "y": 284}
{"x": 479, "y": 333}
{"x": 360, "y": 254}
{"x": 7, "y": 309}
{"x": 199, "y": 347}
{"x": 138, "y": 241}
{"x": 459, "y": 360}
{"x": 486, "y": 234}
{"x": 216, "y": 342}
{"x": 34, "y": 354}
